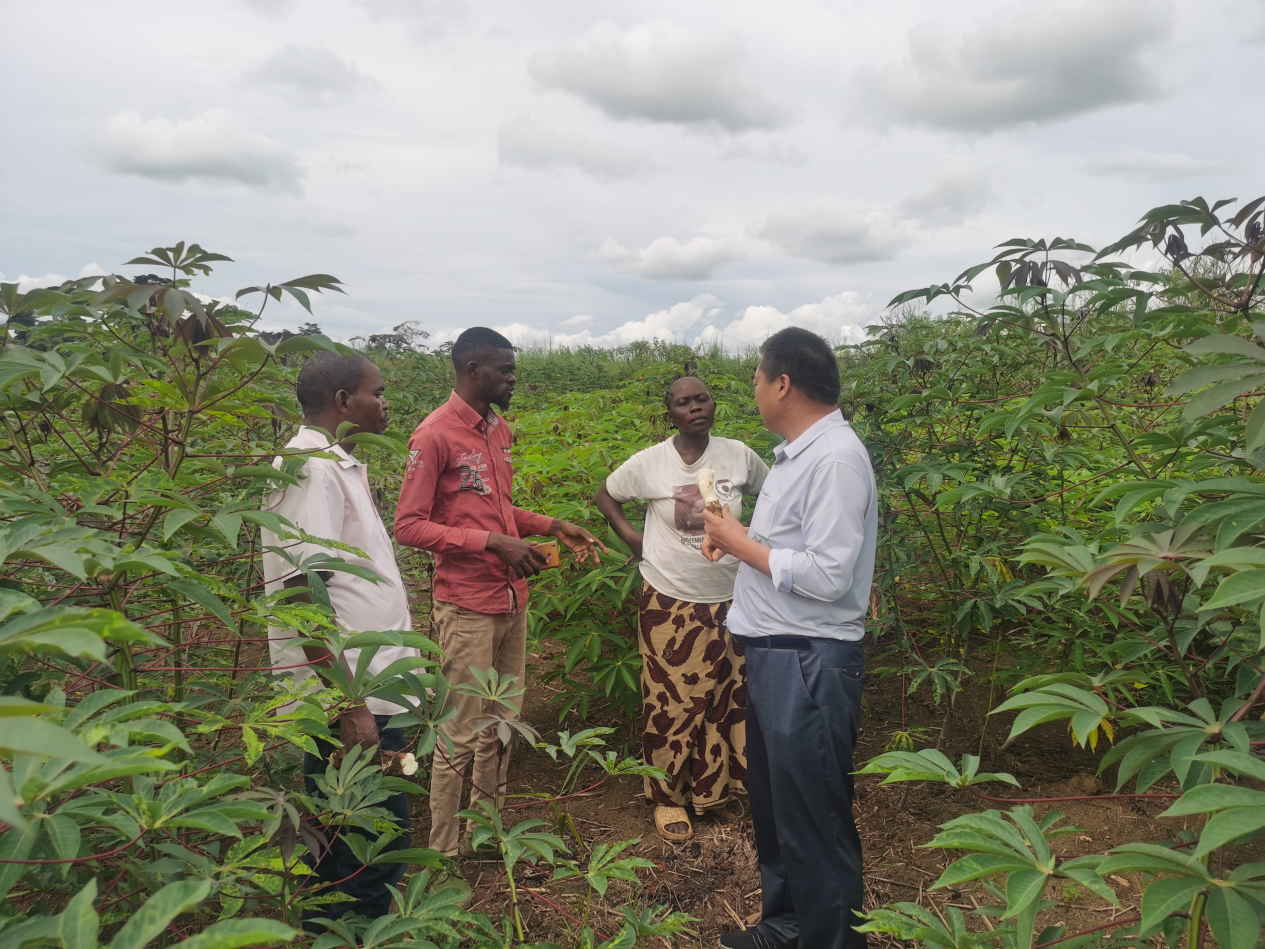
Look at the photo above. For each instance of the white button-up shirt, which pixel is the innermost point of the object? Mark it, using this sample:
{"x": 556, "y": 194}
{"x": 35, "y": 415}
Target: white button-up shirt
{"x": 333, "y": 501}
{"x": 818, "y": 511}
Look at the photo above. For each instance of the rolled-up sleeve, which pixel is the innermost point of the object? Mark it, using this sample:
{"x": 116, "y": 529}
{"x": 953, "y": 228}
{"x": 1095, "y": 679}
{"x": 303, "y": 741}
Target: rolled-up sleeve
{"x": 833, "y": 525}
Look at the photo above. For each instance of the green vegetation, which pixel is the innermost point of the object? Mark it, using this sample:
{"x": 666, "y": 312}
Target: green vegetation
{"x": 1073, "y": 519}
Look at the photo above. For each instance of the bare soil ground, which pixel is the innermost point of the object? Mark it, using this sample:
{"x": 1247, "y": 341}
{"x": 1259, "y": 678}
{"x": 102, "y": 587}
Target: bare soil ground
{"x": 715, "y": 877}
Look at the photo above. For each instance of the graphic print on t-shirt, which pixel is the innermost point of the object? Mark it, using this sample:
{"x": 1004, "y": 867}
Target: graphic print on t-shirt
{"x": 468, "y": 465}
{"x": 689, "y": 510}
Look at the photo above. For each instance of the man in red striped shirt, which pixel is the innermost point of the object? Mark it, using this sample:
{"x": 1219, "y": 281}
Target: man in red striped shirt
{"x": 455, "y": 501}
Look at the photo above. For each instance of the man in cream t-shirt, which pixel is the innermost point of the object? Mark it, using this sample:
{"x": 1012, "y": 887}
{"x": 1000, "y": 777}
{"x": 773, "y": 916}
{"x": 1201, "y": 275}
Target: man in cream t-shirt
{"x": 693, "y": 680}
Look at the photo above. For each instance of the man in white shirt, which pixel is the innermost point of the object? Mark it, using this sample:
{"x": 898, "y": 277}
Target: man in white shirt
{"x": 799, "y": 605}
{"x": 332, "y": 501}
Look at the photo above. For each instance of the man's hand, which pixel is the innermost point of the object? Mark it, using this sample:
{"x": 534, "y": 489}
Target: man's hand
{"x": 523, "y": 559}
{"x": 725, "y": 534}
{"x": 581, "y": 542}
{"x": 356, "y": 726}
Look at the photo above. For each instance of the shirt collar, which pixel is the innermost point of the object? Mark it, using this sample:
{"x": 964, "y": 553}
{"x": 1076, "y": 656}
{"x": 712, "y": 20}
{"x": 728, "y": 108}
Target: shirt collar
{"x": 314, "y": 438}
{"x": 467, "y": 414}
{"x": 811, "y": 434}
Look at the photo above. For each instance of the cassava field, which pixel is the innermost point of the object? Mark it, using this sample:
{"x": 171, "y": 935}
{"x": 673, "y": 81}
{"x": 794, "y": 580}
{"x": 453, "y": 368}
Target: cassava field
{"x": 1063, "y": 736}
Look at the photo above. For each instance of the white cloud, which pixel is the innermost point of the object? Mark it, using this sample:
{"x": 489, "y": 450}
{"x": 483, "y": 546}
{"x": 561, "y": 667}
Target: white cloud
{"x": 777, "y": 153}
{"x": 950, "y": 200}
{"x": 830, "y": 231}
{"x": 28, "y": 283}
{"x": 661, "y": 71}
{"x": 427, "y": 19}
{"x": 272, "y": 9}
{"x": 838, "y": 318}
{"x": 530, "y": 143}
{"x": 211, "y": 146}
{"x": 1141, "y": 165}
{"x": 309, "y": 76}
{"x": 575, "y": 322}
{"x": 1035, "y": 63}
{"x": 669, "y": 325}
{"x": 666, "y": 258}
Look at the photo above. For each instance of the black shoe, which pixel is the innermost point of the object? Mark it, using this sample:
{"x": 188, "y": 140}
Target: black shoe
{"x": 746, "y": 939}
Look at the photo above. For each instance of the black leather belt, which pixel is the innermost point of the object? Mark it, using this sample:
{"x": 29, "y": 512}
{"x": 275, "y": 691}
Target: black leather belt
{"x": 777, "y": 642}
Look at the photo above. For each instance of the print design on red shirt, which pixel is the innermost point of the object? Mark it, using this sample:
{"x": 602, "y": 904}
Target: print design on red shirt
{"x": 469, "y": 466}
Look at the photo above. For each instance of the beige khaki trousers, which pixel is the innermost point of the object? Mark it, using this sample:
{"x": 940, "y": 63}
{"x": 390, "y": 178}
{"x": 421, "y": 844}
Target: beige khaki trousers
{"x": 482, "y": 641}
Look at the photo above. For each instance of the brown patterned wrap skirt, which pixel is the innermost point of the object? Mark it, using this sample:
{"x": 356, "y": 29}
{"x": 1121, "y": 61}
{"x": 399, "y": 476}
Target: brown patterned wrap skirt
{"x": 694, "y": 695}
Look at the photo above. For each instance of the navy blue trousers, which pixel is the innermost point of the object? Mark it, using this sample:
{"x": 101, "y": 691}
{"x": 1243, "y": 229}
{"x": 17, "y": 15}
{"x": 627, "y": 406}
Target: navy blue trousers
{"x": 338, "y": 863}
{"x": 803, "y": 719}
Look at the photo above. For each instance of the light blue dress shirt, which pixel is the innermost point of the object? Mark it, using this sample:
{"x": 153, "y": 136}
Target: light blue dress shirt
{"x": 818, "y": 510}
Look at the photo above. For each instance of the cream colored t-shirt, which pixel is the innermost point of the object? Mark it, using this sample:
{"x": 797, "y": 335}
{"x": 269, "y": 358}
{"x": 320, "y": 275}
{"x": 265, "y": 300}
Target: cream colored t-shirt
{"x": 672, "y": 558}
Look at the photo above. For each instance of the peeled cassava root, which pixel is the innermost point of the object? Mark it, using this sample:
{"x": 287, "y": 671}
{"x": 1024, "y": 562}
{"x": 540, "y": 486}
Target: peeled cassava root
{"x": 398, "y": 763}
{"x": 707, "y": 487}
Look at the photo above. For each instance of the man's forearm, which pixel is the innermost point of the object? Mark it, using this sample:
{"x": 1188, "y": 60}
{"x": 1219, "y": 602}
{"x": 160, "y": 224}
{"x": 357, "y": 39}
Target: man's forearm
{"x": 753, "y": 554}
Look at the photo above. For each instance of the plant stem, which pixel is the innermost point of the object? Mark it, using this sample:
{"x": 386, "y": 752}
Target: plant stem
{"x": 178, "y": 692}
{"x": 518, "y": 919}
{"x": 1194, "y": 933}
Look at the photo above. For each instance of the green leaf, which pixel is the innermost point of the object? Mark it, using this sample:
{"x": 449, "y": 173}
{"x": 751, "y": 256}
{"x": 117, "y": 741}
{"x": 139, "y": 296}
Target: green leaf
{"x": 15, "y": 846}
{"x": 11, "y": 705}
{"x": 1166, "y": 896}
{"x": 63, "y": 836}
{"x": 1236, "y": 762}
{"x": 1023, "y": 888}
{"x": 1230, "y": 825}
{"x": 977, "y": 865}
{"x": 176, "y": 520}
{"x": 1237, "y": 588}
{"x": 1209, "y": 400}
{"x": 39, "y": 736}
{"x": 415, "y": 856}
{"x": 201, "y": 595}
{"x": 1214, "y": 797}
{"x": 1235, "y": 923}
{"x": 242, "y": 933}
{"x": 159, "y": 910}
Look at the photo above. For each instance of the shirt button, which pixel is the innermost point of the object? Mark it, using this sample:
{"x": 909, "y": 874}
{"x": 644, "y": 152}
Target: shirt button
{"x": 667, "y": 653}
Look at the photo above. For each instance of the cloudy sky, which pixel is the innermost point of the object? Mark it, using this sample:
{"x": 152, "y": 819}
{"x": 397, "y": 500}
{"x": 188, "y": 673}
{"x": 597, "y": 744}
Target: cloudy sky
{"x": 596, "y": 171}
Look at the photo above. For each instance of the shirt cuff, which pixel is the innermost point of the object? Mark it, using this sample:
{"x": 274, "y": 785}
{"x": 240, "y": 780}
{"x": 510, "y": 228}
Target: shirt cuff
{"x": 476, "y": 540}
{"x": 538, "y": 525}
{"x": 780, "y": 559}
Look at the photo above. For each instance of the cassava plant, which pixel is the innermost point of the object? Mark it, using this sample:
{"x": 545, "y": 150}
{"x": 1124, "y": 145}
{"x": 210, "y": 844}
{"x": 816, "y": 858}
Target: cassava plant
{"x": 150, "y": 762}
{"x": 1100, "y": 425}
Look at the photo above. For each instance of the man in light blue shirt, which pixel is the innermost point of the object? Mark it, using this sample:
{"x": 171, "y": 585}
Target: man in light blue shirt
{"x": 799, "y": 610}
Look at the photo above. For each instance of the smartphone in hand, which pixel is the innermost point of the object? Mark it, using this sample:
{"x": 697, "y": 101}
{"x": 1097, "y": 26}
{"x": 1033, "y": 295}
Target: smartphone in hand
{"x": 550, "y": 549}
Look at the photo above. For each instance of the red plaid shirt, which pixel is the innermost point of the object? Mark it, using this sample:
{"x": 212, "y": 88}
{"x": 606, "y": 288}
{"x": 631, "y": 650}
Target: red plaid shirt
{"x": 456, "y": 491}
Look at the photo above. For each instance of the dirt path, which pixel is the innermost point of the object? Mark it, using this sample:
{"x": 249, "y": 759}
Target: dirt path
{"x": 715, "y": 878}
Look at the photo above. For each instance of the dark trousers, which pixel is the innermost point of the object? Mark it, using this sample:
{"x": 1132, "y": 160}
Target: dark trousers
{"x": 803, "y": 718}
{"x": 338, "y": 865}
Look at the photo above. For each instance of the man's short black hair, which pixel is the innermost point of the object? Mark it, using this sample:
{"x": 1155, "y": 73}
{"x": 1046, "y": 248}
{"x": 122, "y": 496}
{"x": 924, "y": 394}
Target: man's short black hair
{"x": 807, "y": 359}
{"x": 324, "y": 374}
{"x": 475, "y": 340}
